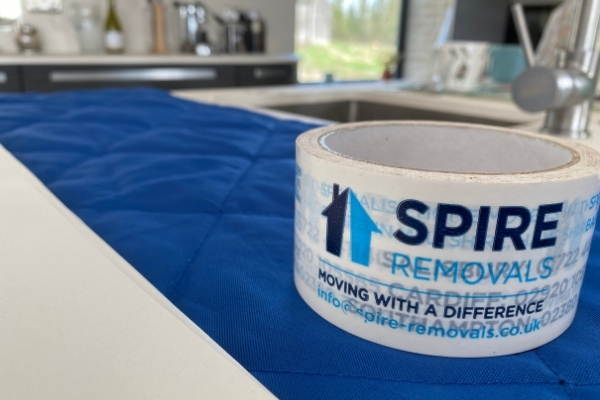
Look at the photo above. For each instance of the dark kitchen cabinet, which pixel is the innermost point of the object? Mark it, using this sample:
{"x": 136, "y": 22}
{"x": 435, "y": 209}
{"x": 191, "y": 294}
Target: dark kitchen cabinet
{"x": 10, "y": 80}
{"x": 55, "y": 77}
{"x": 48, "y": 78}
{"x": 262, "y": 75}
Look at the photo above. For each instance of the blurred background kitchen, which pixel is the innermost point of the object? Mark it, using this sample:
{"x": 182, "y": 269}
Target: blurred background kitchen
{"x": 334, "y": 40}
{"x": 458, "y": 46}
{"x": 76, "y": 26}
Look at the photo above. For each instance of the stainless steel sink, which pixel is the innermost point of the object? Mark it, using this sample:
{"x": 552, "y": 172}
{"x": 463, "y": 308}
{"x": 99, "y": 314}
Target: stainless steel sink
{"x": 356, "y": 111}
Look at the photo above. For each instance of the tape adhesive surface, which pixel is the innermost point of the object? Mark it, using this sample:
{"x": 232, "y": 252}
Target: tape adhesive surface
{"x": 443, "y": 239}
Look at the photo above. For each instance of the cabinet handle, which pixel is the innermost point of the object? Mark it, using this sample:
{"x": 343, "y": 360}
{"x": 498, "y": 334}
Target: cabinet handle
{"x": 269, "y": 72}
{"x": 3, "y": 78}
{"x": 131, "y": 74}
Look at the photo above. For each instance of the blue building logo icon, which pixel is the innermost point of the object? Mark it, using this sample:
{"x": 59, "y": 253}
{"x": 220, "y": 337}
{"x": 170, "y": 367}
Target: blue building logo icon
{"x": 361, "y": 226}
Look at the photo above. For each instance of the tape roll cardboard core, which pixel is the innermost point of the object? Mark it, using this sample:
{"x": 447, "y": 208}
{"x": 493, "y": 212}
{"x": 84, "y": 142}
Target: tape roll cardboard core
{"x": 447, "y": 148}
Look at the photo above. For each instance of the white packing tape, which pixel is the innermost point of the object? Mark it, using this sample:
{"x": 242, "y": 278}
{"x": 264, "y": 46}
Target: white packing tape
{"x": 443, "y": 239}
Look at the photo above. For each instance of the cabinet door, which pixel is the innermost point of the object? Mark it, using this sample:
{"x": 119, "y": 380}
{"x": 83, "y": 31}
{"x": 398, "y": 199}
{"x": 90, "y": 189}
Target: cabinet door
{"x": 61, "y": 77}
{"x": 9, "y": 79}
{"x": 259, "y": 75}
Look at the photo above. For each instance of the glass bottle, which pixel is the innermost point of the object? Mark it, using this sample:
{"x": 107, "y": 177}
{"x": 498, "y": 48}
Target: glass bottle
{"x": 114, "y": 39}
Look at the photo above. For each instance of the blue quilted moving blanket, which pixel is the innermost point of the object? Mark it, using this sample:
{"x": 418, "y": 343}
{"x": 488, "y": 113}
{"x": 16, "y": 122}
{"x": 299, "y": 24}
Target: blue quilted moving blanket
{"x": 200, "y": 200}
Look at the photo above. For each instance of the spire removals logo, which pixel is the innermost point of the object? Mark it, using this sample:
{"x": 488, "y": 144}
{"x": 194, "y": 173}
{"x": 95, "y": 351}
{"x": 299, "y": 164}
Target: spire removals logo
{"x": 361, "y": 226}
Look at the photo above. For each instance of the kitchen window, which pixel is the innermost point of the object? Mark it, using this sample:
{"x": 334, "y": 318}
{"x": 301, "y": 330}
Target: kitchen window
{"x": 10, "y": 12}
{"x": 346, "y": 40}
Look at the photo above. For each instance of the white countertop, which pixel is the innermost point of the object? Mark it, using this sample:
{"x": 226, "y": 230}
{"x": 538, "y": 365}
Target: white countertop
{"x": 79, "y": 322}
{"x": 493, "y": 107}
{"x": 129, "y": 59}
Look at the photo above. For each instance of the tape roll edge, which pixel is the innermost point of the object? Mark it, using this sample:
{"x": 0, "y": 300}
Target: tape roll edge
{"x": 585, "y": 159}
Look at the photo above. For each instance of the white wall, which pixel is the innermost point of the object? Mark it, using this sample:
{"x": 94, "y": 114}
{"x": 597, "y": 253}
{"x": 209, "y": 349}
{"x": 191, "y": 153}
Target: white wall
{"x": 59, "y": 36}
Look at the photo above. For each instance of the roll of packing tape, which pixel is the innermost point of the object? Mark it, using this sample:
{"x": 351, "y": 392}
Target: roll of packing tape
{"x": 443, "y": 239}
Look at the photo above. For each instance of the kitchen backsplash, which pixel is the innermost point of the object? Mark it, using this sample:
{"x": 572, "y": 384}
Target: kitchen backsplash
{"x": 59, "y": 36}
{"x": 424, "y": 23}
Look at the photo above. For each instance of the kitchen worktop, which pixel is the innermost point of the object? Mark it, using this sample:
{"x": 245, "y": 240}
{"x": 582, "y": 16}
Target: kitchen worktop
{"x": 399, "y": 93}
{"x": 129, "y": 59}
{"x": 497, "y": 107}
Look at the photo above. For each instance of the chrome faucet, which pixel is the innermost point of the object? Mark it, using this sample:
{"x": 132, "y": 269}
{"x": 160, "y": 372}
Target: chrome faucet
{"x": 567, "y": 91}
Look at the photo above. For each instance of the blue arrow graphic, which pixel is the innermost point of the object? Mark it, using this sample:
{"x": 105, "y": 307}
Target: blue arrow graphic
{"x": 361, "y": 228}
